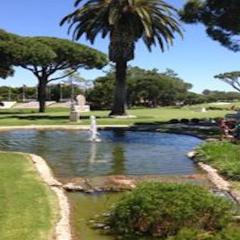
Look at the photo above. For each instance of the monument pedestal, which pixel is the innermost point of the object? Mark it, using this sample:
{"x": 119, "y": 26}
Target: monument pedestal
{"x": 74, "y": 116}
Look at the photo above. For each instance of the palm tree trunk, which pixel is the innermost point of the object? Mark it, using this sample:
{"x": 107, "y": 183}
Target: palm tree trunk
{"x": 42, "y": 95}
{"x": 119, "y": 104}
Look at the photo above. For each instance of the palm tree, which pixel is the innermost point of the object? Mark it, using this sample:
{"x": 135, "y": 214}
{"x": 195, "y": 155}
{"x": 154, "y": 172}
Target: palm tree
{"x": 125, "y": 22}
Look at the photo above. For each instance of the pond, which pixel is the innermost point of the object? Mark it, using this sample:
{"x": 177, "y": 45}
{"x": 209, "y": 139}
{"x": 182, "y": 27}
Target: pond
{"x": 70, "y": 154}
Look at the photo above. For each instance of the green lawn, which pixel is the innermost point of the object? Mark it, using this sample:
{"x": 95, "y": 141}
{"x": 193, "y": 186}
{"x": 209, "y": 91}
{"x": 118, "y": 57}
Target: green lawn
{"x": 27, "y": 207}
{"x": 224, "y": 156}
{"x": 55, "y": 116}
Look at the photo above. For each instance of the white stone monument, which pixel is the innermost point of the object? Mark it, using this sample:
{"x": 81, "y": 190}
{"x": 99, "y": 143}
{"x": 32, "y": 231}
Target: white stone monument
{"x": 78, "y": 107}
{"x": 81, "y": 104}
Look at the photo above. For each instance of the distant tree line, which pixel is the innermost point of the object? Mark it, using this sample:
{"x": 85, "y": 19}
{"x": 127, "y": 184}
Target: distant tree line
{"x": 151, "y": 88}
{"x": 145, "y": 88}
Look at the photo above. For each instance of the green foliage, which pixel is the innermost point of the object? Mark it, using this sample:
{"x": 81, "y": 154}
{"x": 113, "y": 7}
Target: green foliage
{"x": 214, "y": 96}
{"x": 223, "y": 155}
{"x": 144, "y": 88}
{"x": 6, "y": 71}
{"x": 228, "y": 233}
{"x": 231, "y": 78}
{"x": 221, "y": 18}
{"x": 162, "y": 210}
{"x": 125, "y": 22}
{"x": 44, "y": 57}
{"x": 5, "y": 54}
{"x": 48, "y": 54}
{"x": 101, "y": 96}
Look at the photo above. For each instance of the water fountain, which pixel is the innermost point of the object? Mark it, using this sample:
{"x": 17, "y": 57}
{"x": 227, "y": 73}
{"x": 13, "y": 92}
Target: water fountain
{"x": 93, "y": 130}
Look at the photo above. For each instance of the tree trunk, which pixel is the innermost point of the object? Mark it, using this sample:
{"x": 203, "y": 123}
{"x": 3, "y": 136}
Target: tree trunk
{"x": 119, "y": 104}
{"x": 42, "y": 95}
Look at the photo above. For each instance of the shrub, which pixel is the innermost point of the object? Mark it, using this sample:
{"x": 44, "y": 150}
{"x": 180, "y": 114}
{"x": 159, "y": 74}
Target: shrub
{"x": 174, "y": 120}
{"x": 184, "y": 120}
{"x": 195, "y": 120}
{"x": 162, "y": 210}
{"x": 216, "y": 108}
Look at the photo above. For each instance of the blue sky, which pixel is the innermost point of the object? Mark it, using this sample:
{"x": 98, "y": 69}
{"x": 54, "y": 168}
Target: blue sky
{"x": 196, "y": 58}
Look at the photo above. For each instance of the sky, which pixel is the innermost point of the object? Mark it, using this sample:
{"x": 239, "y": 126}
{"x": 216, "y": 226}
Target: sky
{"x": 196, "y": 58}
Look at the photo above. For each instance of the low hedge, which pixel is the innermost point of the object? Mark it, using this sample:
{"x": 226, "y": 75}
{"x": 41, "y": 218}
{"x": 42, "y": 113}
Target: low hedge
{"x": 163, "y": 210}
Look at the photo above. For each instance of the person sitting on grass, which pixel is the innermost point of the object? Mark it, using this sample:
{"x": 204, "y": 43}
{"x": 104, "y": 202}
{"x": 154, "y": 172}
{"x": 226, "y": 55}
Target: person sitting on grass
{"x": 225, "y": 130}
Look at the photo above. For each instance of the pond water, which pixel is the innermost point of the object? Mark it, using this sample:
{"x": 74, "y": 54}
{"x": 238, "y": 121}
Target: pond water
{"x": 70, "y": 154}
{"x": 84, "y": 208}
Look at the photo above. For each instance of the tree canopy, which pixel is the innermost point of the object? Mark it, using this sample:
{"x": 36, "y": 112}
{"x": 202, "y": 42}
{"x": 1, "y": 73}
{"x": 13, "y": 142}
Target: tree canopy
{"x": 148, "y": 88}
{"x": 221, "y": 18}
{"x": 231, "y": 78}
{"x": 46, "y": 56}
{"x": 124, "y": 22}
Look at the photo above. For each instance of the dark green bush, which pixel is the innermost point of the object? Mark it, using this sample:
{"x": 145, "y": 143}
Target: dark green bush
{"x": 174, "y": 120}
{"x": 184, "y": 120}
{"x": 162, "y": 210}
{"x": 195, "y": 120}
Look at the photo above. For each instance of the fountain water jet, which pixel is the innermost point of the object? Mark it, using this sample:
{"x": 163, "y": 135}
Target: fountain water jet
{"x": 93, "y": 130}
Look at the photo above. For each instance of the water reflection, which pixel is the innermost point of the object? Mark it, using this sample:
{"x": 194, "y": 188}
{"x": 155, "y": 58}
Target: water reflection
{"x": 118, "y": 160}
{"x": 70, "y": 154}
{"x": 93, "y": 153}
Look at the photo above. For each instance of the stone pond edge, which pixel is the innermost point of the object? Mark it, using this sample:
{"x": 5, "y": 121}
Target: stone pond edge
{"x": 62, "y": 227}
{"x": 218, "y": 181}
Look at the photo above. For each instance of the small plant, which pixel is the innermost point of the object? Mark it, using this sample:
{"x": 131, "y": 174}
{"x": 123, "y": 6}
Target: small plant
{"x": 163, "y": 210}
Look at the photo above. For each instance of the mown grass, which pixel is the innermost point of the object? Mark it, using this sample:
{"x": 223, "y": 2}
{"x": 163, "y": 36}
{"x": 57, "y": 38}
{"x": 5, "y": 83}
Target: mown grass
{"x": 224, "y": 156}
{"x": 27, "y": 207}
{"x": 60, "y": 116}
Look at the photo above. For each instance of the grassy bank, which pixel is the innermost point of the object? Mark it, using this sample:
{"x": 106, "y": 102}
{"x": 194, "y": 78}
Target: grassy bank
{"x": 224, "y": 156}
{"x": 60, "y": 116}
{"x": 28, "y": 208}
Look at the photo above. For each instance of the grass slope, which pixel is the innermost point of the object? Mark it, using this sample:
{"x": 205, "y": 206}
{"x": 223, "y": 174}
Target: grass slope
{"x": 224, "y": 156}
{"x": 27, "y": 209}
